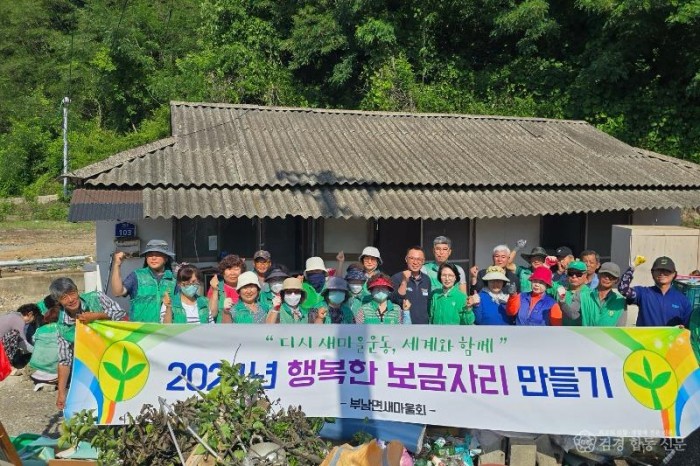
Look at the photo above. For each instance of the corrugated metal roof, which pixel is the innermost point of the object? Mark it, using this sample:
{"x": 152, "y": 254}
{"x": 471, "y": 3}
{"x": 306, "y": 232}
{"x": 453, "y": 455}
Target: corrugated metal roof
{"x": 425, "y": 203}
{"x": 105, "y": 205}
{"x": 218, "y": 145}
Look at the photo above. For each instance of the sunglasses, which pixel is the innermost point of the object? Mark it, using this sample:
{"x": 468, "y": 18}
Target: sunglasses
{"x": 575, "y": 274}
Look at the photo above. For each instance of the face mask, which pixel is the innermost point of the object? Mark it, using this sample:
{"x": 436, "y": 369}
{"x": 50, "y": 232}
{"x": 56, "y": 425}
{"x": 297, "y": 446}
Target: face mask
{"x": 190, "y": 290}
{"x": 380, "y": 296}
{"x": 292, "y": 299}
{"x": 276, "y": 287}
{"x": 316, "y": 280}
{"x": 336, "y": 297}
{"x": 355, "y": 288}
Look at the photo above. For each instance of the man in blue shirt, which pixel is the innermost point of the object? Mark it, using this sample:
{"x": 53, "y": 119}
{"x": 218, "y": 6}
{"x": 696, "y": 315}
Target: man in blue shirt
{"x": 660, "y": 305}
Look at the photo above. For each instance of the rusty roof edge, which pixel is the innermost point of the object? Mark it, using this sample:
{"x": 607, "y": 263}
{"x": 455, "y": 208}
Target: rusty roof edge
{"x": 120, "y": 158}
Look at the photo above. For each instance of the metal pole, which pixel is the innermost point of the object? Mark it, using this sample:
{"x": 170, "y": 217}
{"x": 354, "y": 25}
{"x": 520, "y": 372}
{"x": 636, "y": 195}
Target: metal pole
{"x": 65, "y": 103}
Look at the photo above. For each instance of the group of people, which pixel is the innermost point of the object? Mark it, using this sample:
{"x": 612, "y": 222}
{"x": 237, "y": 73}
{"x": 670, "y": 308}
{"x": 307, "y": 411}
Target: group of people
{"x": 551, "y": 290}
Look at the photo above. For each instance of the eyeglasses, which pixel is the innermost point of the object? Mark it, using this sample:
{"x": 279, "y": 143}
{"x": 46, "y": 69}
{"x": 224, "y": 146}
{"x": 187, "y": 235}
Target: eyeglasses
{"x": 415, "y": 259}
{"x": 448, "y": 275}
{"x": 606, "y": 276}
{"x": 575, "y": 274}
{"x": 190, "y": 283}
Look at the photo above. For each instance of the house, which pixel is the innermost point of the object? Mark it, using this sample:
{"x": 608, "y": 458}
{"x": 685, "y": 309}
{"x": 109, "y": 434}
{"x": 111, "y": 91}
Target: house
{"x": 301, "y": 182}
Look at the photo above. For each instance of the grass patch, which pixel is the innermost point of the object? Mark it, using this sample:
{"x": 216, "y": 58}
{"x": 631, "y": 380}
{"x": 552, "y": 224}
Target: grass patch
{"x": 54, "y": 225}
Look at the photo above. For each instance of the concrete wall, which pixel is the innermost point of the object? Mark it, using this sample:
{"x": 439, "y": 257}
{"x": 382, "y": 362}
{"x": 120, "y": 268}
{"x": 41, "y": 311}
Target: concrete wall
{"x": 146, "y": 229}
{"x": 494, "y": 231}
{"x": 33, "y": 286}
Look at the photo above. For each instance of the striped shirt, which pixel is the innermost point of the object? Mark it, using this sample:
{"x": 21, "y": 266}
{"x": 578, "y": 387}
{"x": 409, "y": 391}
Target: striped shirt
{"x": 109, "y": 307}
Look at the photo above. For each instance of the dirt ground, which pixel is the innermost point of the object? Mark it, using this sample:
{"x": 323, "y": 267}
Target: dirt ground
{"x": 21, "y": 408}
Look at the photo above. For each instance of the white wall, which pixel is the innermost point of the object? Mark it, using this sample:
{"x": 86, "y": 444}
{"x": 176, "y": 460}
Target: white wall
{"x": 146, "y": 230}
{"x": 657, "y": 217}
{"x": 494, "y": 231}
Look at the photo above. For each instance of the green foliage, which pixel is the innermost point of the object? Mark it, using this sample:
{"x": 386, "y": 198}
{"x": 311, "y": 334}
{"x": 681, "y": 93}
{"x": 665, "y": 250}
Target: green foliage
{"x": 231, "y": 417}
{"x": 631, "y": 68}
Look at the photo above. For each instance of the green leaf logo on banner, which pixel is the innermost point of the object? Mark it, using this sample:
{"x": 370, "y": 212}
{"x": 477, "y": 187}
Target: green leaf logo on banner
{"x": 650, "y": 379}
{"x": 123, "y": 371}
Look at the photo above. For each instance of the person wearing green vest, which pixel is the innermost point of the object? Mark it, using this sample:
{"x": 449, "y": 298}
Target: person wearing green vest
{"x": 274, "y": 279}
{"x": 565, "y": 292}
{"x": 84, "y": 307}
{"x": 357, "y": 287}
{"x": 186, "y": 305}
{"x": 222, "y": 292}
{"x": 315, "y": 275}
{"x": 289, "y": 309}
{"x": 337, "y": 308}
{"x": 448, "y": 305}
{"x": 146, "y": 286}
{"x": 44, "y": 358}
{"x": 248, "y": 309}
{"x": 602, "y": 306}
{"x": 380, "y": 310}
{"x": 442, "y": 250}
{"x": 536, "y": 258}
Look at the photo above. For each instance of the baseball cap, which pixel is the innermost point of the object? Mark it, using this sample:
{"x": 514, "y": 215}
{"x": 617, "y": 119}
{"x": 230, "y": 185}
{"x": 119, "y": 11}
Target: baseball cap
{"x": 665, "y": 263}
{"x": 577, "y": 265}
{"x": 610, "y": 268}
{"x": 563, "y": 251}
{"x": 262, "y": 254}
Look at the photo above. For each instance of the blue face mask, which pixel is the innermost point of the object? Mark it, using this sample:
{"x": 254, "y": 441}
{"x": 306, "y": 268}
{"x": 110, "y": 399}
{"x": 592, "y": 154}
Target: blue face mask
{"x": 336, "y": 297}
{"x": 316, "y": 280}
{"x": 190, "y": 290}
{"x": 380, "y": 296}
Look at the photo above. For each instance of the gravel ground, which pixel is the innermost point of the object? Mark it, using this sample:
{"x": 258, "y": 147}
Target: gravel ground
{"x": 24, "y": 410}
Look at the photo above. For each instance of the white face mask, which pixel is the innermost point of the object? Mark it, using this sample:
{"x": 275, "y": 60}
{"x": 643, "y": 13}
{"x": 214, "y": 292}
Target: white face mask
{"x": 292, "y": 299}
{"x": 355, "y": 288}
{"x": 276, "y": 287}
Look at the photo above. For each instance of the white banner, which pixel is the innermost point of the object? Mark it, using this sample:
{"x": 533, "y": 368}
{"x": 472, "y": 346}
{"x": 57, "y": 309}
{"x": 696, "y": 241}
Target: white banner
{"x": 559, "y": 380}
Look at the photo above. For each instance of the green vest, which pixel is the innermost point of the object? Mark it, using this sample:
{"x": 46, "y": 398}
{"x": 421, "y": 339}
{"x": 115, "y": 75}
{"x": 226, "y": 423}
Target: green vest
{"x": 145, "y": 306}
{"x": 313, "y": 298}
{"x": 89, "y": 302}
{"x": 392, "y": 316}
{"x": 243, "y": 315}
{"x": 450, "y": 308}
{"x": 347, "y": 315}
{"x": 431, "y": 270}
{"x": 179, "y": 316}
{"x": 286, "y": 316}
{"x": 45, "y": 354}
{"x": 595, "y": 313}
{"x": 566, "y": 322}
{"x": 523, "y": 274}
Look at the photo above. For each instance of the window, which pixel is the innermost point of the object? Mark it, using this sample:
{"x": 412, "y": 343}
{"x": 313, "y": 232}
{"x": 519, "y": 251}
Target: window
{"x": 599, "y": 234}
{"x": 194, "y": 237}
{"x": 347, "y": 235}
{"x": 456, "y": 230}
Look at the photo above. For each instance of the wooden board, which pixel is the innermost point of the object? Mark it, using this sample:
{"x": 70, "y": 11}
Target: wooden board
{"x": 7, "y": 450}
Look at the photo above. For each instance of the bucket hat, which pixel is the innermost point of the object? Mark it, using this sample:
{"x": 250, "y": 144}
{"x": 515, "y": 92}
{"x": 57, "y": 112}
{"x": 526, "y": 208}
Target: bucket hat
{"x": 495, "y": 273}
{"x": 536, "y": 252}
{"x": 292, "y": 283}
{"x": 315, "y": 263}
{"x": 276, "y": 274}
{"x": 158, "y": 245}
{"x": 371, "y": 252}
{"x": 247, "y": 278}
{"x": 542, "y": 274}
